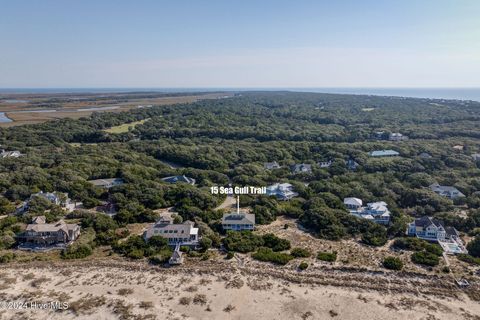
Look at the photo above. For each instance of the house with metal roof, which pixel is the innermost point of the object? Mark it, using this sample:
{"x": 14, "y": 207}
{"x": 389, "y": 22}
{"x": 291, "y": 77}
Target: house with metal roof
{"x": 384, "y": 153}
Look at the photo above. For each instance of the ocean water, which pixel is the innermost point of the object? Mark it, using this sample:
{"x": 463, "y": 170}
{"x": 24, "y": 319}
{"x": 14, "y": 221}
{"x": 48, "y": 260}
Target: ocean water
{"x": 4, "y": 118}
{"x": 432, "y": 93}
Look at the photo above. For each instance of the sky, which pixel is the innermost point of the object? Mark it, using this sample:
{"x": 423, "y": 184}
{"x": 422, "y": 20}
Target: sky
{"x": 252, "y": 44}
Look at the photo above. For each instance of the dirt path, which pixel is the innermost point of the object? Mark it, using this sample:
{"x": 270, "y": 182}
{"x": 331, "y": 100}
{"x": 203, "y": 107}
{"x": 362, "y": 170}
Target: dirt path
{"x": 228, "y": 203}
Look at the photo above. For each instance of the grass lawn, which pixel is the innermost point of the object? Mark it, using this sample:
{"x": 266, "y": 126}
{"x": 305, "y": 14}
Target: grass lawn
{"x": 124, "y": 127}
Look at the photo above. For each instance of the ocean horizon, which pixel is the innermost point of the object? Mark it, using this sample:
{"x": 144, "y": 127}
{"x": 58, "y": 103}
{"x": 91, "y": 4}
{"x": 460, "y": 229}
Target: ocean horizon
{"x": 428, "y": 93}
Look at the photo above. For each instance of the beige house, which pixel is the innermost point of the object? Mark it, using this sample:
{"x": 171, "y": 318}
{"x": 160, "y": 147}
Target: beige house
{"x": 39, "y": 234}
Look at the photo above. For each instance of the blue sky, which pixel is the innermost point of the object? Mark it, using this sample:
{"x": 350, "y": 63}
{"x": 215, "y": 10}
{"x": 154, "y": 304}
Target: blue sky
{"x": 388, "y": 43}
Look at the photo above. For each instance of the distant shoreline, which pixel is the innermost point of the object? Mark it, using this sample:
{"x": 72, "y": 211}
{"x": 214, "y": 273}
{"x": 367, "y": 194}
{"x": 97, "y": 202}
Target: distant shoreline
{"x": 472, "y": 94}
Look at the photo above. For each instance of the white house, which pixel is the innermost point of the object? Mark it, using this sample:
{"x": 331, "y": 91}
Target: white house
{"x": 375, "y": 211}
{"x": 283, "y": 191}
{"x": 397, "y": 136}
{"x": 325, "y": 164}
{"x": 10, "y": 154}
{"x": 183, "y": 234}
{"x": 476, "y": 157}
{"x": 353, "y": 203}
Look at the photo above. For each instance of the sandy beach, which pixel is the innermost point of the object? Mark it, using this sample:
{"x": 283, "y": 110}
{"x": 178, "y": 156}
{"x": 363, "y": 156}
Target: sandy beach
{"x": 118, "y": 289}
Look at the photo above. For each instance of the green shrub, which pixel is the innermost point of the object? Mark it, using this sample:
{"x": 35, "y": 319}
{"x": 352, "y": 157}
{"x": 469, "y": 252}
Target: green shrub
{"x": 76, "y": 252}
{"x": 376, "y": 235}
{"x": 243, "y": 242}
{"x": 393, "y": 263}
{"x": 434, "y": 248}
{"x": 303, "y": 265}
{"x": 161, "y": 257}
{"x": 468, "y": 258}
{"x": 206, "y": 243}
{"x": 327, "y": 256}
{"x": 425, "y": 258}
{"x": 136, "y": 254}
{"x": 157, "y": 242}
{"x": 446, "y": 269}
{"x": 185, "y": 249}
{"x": 230, "y": 255}
{"x": 473, "y": 247}
{"x": 135, "y": 247}
{"x": 412, "y": 244}
{"x": 275, "y": 243}
{"x": 300, "y": 253}
{"x": 7, "y": 257}
{"x": 268, "y": 255}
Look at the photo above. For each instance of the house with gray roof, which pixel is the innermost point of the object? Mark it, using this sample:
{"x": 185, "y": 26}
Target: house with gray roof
{"x": 42, "y": 235}
{"x": 177, "y": 179}
{"x": 107, "y": 183}
{"x": 384, "y": 153}
{"x": 425, "y": 155}
{"x": 351, "y": 164}
{"x": 446, "y": 191}
{"x": 282, "y": 191}
{"x": 271, "y": 165}
{"x": 58, "y": 198}
{"x": 183, "y": 234}
{"x": 301, "y": 168}
{"x": 238, "y": 221}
